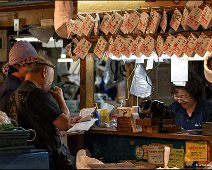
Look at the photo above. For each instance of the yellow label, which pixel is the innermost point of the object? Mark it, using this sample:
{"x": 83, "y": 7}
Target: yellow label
{"x": 196, "y": 151}
{"x": 176, "y": 158}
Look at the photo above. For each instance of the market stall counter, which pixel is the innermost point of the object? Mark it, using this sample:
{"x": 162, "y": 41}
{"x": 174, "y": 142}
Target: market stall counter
{"x": 187, "y": 151}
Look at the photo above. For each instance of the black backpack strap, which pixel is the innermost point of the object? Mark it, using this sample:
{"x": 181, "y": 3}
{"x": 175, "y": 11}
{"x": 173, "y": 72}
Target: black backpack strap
{"x": 25, "y": 113}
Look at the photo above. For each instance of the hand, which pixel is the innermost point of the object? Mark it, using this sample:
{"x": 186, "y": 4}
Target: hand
{"x": 74, "y": 119}
{"x": 57, "y": 93}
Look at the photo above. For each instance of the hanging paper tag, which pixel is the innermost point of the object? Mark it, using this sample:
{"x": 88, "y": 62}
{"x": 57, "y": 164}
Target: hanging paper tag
{"x": 143, "y": 22}
{"x": 136, "y": 47}
{"x": 167, "y": 48}
{"x": 115, "y": 23}
{"x": 189, "y": 47}
{"x": 154, "y": 22}
{"x": 201, "y": 45}
{"x": 104, "y": 23}
{"x": 77, "y": 27}
{"x": 192, "y": 4}
{"x": 87, "y": 25}
{"x": 96, "y": 24}
{"x": 148, "y": 46}
{"x": 176, "y": 19}
{"x": 205, "y": 17}
{"x": 193, "y": 18}
{"x": 115, "y": 48}
{"x": 108, "y": 51}
{"x": 163, "y": 23}
{"x": 132, "y": 22}
{"x": 184, "y": 19}
{"x": 100, "y": 47}
{"x": 159, "y": 45}
{"x": 179, "y": 44}
{"x": 126, "y": 46}
{"x": 123, "y": 27}
{"x": 82, "y": 48}
{"x": 210, "y": 46}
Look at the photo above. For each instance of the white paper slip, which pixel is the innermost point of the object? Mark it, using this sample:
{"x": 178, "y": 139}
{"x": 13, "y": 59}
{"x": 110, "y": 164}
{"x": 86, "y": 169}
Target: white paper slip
{"x": 82, "y": 126}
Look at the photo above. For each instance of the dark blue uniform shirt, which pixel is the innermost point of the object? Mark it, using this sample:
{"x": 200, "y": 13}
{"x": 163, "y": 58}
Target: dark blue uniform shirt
{"x": 202, "y": 113}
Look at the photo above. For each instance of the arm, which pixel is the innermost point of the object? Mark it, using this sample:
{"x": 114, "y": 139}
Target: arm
{"x": 64, "y": 121}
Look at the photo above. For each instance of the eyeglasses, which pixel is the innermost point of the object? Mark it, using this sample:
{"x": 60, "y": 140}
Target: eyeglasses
{"x": 181, "y": 98}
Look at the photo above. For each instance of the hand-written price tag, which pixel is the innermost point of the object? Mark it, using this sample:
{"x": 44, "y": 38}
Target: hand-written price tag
{"x": 100, "y": 47}
{"x": 104, "y": 23}
{"x": 114, "y": 23}
{"x": 210, "y": 45}
{"x": 136, "y": 47}
{"x": 126, "y": 46}
{"x": 123, "y": 27}
{"x": 179, "y": 44}
{"x": 189, "y": 47}
{"x": 205, "y": 17}
{"x": 193, "y": 18}
{"x": 163, "y": 23}
{"x": 77, "y": 27}
{"x": 87, "y": 25}
{"x": 196, "y": 151}
{"x": 143, "y": 22}
{"x": 154, "y": 22}
{"x": 167, "y": 48}
{"x": 82, "y": 48}
{"x": 184, "y": 19}
{"x": 115, "y": 48}
{"x": 176, "y": 19}
{"x": 159, "y": 45}
{"x": 132, "y": 22}
{"x": 201, "y": 45}
{"x": 148, "y": 46}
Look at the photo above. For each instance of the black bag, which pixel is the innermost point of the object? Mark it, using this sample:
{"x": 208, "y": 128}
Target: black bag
{"x": 65, "y": 159}
{"x": 61, "y": 157}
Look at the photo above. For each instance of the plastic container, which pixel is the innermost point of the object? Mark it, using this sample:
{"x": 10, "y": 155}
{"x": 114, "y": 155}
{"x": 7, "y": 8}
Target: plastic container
{"x": 104, "y": 116}
{"x": 113, "y": 121}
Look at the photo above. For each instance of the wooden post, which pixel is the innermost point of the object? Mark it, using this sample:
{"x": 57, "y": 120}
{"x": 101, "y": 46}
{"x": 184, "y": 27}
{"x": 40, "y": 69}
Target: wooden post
{"x": 87, "y": 81}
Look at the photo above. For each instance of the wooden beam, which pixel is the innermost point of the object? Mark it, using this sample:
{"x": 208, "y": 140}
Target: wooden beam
{"x": 28, "y": 14}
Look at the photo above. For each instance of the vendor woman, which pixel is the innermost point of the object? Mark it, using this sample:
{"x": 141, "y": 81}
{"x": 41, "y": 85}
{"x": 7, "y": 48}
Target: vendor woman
{"x": 189, "y": 107}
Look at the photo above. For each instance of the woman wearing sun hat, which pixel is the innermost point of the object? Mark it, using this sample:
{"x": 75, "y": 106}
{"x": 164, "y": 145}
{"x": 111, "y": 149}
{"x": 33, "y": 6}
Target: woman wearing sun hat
{"x": 15, "y": 70}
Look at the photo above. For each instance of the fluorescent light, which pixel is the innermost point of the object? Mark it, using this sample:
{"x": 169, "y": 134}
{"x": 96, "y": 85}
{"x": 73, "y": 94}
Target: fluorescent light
{"x": 65, "y": 60}
{"x": 29, "y": 39}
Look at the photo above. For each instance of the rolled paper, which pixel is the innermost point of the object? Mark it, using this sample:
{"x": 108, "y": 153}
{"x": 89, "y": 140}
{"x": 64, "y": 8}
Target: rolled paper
{"x": 166, "y": 156}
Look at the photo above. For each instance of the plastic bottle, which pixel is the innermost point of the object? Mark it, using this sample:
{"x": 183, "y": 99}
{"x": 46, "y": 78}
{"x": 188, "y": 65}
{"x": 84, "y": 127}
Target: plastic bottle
{"x": 113, "y": 121}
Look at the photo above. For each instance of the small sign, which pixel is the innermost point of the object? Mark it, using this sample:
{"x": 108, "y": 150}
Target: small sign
{"x": 155, "y": 154}
{"x": 176, "y": 158}
{"x": 196, "y": 151}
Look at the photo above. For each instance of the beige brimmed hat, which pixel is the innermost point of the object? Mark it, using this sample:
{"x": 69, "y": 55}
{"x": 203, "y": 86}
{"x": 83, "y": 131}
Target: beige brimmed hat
{"x": 207, "y": 71}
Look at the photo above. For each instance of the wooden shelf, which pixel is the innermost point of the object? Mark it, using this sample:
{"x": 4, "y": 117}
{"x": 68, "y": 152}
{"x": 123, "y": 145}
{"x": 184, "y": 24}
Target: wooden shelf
{"x": 182, "y": 136}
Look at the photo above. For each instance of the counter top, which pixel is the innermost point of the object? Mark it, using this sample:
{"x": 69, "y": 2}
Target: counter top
{"x": 179, "y": 136}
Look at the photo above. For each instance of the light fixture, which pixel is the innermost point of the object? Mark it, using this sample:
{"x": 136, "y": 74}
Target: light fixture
{"x": 63, "y": 57}
{"x": 65, "y": 60}
{"x": 29, "y": 39}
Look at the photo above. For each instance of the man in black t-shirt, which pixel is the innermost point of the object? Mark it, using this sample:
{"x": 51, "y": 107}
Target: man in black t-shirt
{"x": 42, "y": 114}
